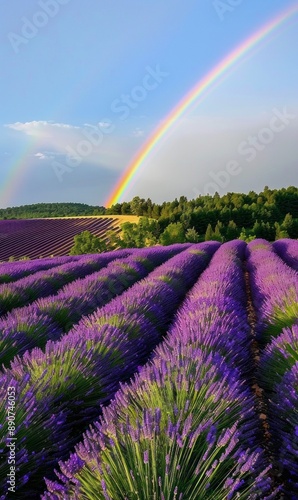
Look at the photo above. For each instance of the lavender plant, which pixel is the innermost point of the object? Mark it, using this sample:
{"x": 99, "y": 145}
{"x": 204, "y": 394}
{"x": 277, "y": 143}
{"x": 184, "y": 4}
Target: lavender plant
{"x": 14, "y": 271}
{"x": 287, "y": 249}
{"x": 274, "y": 290}
{"x": 47, "y": 282}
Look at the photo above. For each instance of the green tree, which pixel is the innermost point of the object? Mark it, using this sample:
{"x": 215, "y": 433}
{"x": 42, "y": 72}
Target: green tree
{"x": 217, "y": 235}
{"x": 125, "y": 208}
{"x": 113, "y": 240}
{"x": 174, "y": 233}
{"x": 280, "y": 232}
{"x": 136, "y": 205}
{"x": 128, "y": 235}
{"x": 232, "y": 231}
{"x": 192, "y": 235}
{"x": 245, "y": 235}
{"x": 87, "y": 242}
{"x": 148, "y": 231}
{"x": 288, "y": 226}
{"x": 209, "y": 233}
{"x": 138, "y": 235}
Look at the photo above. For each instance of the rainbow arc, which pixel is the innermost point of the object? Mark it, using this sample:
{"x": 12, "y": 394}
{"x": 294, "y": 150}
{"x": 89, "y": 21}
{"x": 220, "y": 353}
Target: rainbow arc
{"x": 205, "y": 85}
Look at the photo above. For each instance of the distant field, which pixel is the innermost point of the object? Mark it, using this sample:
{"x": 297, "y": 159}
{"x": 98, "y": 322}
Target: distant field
{"x": 36, "y": 238}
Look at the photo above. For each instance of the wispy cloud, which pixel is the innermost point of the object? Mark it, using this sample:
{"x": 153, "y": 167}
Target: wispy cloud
{"x": 47, "y": 155}
{"x": 40, "y": 127}
{"x": 138, "y": 132}
{"x": 41, "y": 156}
{"x": 93, "y": 144}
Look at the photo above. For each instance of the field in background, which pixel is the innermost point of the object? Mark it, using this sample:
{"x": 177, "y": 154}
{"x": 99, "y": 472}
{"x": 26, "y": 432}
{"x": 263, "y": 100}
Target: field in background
{"x": 35, "y": 238}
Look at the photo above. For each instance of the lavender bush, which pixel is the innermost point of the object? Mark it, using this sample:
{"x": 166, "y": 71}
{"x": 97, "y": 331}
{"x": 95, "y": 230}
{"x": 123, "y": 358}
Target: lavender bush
{"x": 287, "y": 249}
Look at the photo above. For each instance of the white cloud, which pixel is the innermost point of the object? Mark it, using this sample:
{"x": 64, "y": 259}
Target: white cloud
{"x": 41, "y": 156}
{"x": 100, "y": 144}
{"x": 46, "y": 155}
{"x": 104, "y": 124}
{"x": 40, "y": 128}
{"x": 138, "y": 132}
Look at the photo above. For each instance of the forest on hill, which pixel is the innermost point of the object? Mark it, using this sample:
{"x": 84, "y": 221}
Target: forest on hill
{"x": 44, "y": 210}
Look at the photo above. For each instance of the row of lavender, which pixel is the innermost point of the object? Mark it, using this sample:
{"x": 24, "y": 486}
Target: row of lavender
{"x": 47, "y": 319}
{"x": 287, "y": 249}
{"x": 186, "y": 426}
{"x": 47, "y": 282}
{"x": 13, "y": 271}
{"x": 61, "y": 390}
{"x": 275, "y": 292}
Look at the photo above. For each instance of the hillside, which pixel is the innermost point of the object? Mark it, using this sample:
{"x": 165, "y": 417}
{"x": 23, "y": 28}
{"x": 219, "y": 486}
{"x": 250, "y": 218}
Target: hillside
{"x": 41, "y": 210}
{"x": 35, "y": 238}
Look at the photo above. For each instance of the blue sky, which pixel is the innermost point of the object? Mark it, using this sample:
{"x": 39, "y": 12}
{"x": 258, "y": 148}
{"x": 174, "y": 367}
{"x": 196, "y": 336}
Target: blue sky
{"x": 68, "y": 65}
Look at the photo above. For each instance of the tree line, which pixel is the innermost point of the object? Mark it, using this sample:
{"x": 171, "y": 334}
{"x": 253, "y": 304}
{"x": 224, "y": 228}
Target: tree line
{"x": 43, "y": 210}
{"x": 271, "y": 214}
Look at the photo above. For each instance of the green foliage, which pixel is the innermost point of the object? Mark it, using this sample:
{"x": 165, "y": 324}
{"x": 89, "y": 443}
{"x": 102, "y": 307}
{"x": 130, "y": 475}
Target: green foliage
{"x": 245, "y": 236}
{"x": 174, "y": 233}
{"x": 281, "y": 317}
{"x": 232, "y": 231}
{"x": 42, "y": 210}
{"x": 280, "y": 233}
{"x": 136, "y": 205}
{"x": 192, "y": 235}
{"x": 87, "y": 242}
{"x": 209, "y": 233}
{"x": 255, "y": 213}
{"x": 113, "y": 240}
{"x": 283, "y": 356}
{"x": 218, "y": 236}
{"x": 138, "y": 235}
{"x": 289, "y": 227}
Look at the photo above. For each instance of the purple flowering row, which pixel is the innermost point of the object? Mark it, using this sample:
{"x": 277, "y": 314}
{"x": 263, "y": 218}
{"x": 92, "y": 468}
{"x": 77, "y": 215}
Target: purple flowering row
{"x": 287, "y": 249}
{"x": 278, "y": 375}
{"x": 218, "y": 302}
{"x": 275, "y": 294}
{"x": 67, "y": 384}
{"x": 274, "y": 288}
{"x": 283, "y": 420}
{"x": 48, "y": 318}
{"x": 13, "y": 271}
{"x": 185, "y": 428}
{"x": 47, "y": 282}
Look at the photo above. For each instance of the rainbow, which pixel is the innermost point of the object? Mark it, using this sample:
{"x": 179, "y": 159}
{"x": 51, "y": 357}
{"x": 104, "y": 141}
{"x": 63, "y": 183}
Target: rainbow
{"x": 14, "y": 177}
{"x": 201, "y": 89}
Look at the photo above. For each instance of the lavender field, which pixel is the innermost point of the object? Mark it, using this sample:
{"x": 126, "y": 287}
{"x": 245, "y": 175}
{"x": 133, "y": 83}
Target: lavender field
{"x": 161, "y": 373}
{"x": 51, "y": 237}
